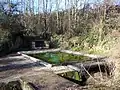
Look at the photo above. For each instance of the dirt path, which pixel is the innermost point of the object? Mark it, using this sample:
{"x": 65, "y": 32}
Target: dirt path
{"x": 14, "y": 68}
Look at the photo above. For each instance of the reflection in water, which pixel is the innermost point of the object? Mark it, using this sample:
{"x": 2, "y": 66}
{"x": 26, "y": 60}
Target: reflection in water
{"x": 72, "y": 75}
{"x": 58, "y": 58}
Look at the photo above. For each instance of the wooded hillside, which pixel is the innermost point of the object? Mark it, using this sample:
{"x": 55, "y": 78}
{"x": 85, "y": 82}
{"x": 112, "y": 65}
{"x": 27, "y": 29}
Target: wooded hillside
{"x": 90, "y": 27}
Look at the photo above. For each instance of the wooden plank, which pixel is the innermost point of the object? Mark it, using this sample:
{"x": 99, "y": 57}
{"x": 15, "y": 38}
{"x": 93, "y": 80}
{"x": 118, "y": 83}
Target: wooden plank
{"x": 74, "y": 68}
{"x": 61, "y": 69}
{"x": 56, "y": 69}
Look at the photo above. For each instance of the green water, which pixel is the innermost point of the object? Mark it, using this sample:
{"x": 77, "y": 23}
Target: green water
{"x": 73, "y": 75}
{"x": 58, "y": 58}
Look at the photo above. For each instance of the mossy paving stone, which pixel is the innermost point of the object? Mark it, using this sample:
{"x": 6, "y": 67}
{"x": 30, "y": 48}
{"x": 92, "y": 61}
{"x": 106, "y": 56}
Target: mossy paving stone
{"x": 45, "y": 80}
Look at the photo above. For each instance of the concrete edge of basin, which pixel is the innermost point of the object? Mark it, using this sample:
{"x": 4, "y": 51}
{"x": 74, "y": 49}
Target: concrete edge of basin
{"x": 36, "y": 60}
